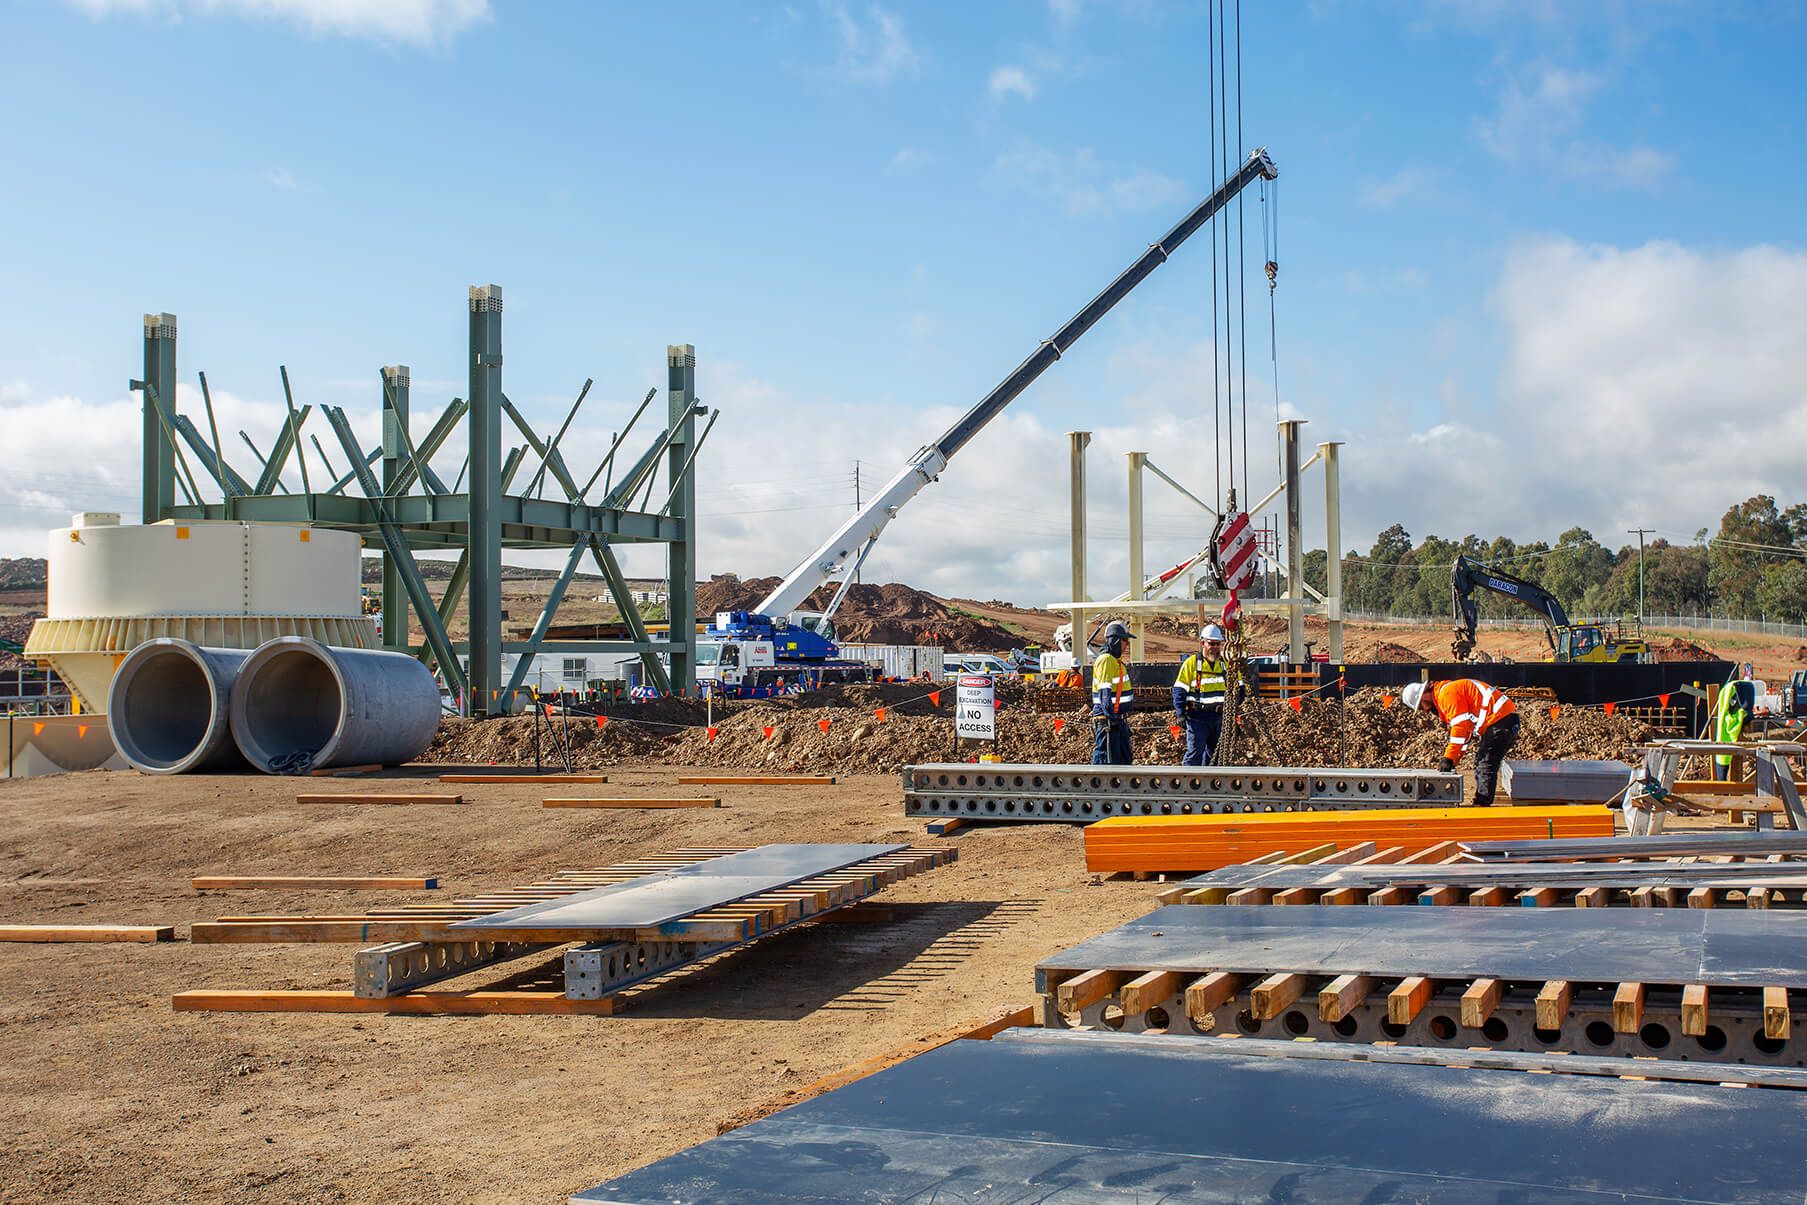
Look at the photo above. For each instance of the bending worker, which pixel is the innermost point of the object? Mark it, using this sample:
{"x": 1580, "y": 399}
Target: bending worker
{"x": 1198, "y": 697}
{"x": 1113, "y": 698}
{"x": 1737, "y": 699}
{"x": 1477, "y": 714}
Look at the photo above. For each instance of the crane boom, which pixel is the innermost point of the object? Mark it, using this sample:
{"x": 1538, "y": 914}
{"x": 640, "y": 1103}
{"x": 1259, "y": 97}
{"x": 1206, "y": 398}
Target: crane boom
{"x": 926, "y": 465}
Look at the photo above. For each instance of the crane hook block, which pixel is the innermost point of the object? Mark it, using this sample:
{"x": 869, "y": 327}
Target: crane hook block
{"x": 1273, "y": 272}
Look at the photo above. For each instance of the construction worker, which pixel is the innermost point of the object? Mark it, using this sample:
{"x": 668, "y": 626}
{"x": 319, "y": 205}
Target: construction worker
{"x": 1730, "y": 714}
{"x": 1476, "y": 713}
{"x": 1198, "y": 697}
{"x": 1113, "y": 698}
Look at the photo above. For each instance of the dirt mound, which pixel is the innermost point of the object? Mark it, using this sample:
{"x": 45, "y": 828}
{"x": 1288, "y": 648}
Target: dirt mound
{"x": 916, "y": 728}
{"x": 891, "y": 613}
{"x": 1382, "y": 652}
{"x": 1677, "y": 649}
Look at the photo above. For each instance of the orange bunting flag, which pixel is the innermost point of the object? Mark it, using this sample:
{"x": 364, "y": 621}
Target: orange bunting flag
{"x": 601, "y": 720}
{"x": 1059, "y": 723}
{"x": 81, "y": 730}
{"x": 1555, "y": 710}
{"x": 768, "y": 730}
{"x": 1386, "y": 701}
{"x": 1297, "y": 704}
{"x": 37, "y": 729}
{"x": 935, "y": 698}
{"x": 823, "y": 725}
{"x": 710, "y": 733}
{"x": 548, "y": 708}
{"x": 1663, "y": 699}
{"x": 879, "y": 715}
{"x": 1609, "y": 708}
{"x": 1175, "y": 729}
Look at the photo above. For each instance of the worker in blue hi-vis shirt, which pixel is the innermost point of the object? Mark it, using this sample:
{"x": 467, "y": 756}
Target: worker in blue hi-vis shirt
{"x": 1198, "y": 697}
{"x": 1113, "y": 698}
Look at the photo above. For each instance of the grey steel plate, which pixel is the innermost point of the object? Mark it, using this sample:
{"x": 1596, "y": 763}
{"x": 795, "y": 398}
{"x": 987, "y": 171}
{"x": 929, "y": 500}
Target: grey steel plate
{"x": 1671, "y": 845}
{"x": 1593, "y": 945}
{"x": 669, "y": 895}
{"x": 1069, "y": 1117}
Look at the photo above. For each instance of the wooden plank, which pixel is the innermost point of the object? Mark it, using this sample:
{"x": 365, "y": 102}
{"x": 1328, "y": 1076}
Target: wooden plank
{"x": 1694, "y": 1010}
{"x": 1488, "y": 897}
{"x": 476, "y": 1003}
{"x": 1776, "y": 1019}
{"x": 1275, "y": 994}
{"x": 1702, "y": 897}
{"x": 1553, "y": 1003}
{"x": 945, "y": 827}
{"x": 1435, "y": 853}
{"x": 1539, "y": 897}
{"x": 254, "y": 882}
{"x": 345, "y": 771}
{"x": 1592, "y": 897}
{"x": 348, "y": 797}
{"x": 1086, "y": 989}
{"x": 1387, "y": 895}
{"x": 1145, "y": 991}
{"x": 1406, "y": 1001}
{"x": 1479, "y": 1001}
{"x": 1342, "y": 996}
{"x": 1249, "y": 895}
{"x": 1296, "y": 895}
{"x": 1307, "y": 855}
{"x": 523, "y": 778}
{"x": 1206, "y": 994}
{"x": 756, "y": 780}
{"x": 1343, "y": 896}
{"x": 632, "y": 804}
{"x": 64, "y": 933}
{"x": 1440, "y": 896}
{"x": 1628, "y": 1008}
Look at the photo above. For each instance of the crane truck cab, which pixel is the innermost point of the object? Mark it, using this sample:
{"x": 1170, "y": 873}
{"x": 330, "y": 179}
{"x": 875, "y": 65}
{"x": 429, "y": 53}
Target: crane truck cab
{"x": 744, "y": 654}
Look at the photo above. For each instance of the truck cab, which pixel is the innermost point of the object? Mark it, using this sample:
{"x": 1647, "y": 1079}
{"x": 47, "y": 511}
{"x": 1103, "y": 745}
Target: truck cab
{"x": 1794, "y": 696}
{"x": 730, "y": 665}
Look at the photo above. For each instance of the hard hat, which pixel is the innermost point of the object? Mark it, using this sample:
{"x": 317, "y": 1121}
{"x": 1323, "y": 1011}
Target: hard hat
{"x": 1116, "y": 630}
{"x": 1211, "y": 632}
{"x": 1412, "y": 695}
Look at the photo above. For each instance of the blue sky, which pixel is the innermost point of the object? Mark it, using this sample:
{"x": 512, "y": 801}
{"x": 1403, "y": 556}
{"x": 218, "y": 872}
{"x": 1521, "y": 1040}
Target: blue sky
{"x": 1537, "y": 260}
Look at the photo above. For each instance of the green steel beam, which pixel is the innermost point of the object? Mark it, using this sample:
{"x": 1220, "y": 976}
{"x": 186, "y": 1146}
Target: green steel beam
{"x": 552, "y": 448}
{"x": 615, "y": 444}
{"x": 428, "y": 448}
{"x": 429, "y": 480}
{"x": 484, "y": 533}
{"x": 395, "y": 424}
{"x": 279, "y": 454}
{"x": 241, "y": 486}
{"x": 159, "y": 465}
{"x": 680, "y": 605}
{"x": 448, "y": 601}
{"x": 541, "y": 449}
{"x": 295, "y": 421}
{"x": 230, "y": 483}
{"x": 395, "y": 547}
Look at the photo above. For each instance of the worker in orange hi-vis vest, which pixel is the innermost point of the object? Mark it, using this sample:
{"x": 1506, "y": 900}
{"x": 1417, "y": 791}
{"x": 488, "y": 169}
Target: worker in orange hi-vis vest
{"x": 1477, "y": 714}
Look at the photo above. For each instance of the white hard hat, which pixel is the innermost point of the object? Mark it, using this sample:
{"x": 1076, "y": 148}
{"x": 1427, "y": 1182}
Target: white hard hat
{"x": 1412, "y": 695}
{"x": 1211, "y": 632}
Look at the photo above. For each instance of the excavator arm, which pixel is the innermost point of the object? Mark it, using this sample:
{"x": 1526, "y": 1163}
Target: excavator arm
{"x": 1467, "y": 575}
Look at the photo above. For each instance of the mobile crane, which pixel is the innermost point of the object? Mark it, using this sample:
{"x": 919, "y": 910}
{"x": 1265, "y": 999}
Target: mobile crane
{"x": 1590, "y": 642}
{"x": 776, "y": 640}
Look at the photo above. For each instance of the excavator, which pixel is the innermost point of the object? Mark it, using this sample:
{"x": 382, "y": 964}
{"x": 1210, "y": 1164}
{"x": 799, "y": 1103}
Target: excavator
{"x": 1591, "y": 642}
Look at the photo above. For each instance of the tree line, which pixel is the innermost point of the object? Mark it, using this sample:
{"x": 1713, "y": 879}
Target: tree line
{"x": 1755, "y": 566}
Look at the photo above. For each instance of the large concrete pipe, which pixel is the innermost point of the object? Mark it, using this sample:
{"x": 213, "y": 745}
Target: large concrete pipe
{"x": 336, "y": 706}
{"x": 168, "y": 707}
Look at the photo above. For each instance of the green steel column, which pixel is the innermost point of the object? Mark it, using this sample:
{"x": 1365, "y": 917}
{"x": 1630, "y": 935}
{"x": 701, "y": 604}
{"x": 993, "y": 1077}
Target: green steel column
{"x": 485, "y": 538}
{"x": 395, "y": 453}
{"x": 680, "y": 609}
{"x": 159, "y": 476}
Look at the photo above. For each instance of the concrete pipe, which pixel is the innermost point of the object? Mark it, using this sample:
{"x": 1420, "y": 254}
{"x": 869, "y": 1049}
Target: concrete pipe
{"x": 299, "y": 704}
{"x": 168, "y": 707}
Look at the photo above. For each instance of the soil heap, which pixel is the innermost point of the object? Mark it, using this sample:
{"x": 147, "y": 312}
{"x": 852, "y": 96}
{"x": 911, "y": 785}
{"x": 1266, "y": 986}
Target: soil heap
{"x": 871, "y": 614}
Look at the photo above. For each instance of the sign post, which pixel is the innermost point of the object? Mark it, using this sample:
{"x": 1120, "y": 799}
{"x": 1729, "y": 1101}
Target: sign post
{"x": 975, "y": 709}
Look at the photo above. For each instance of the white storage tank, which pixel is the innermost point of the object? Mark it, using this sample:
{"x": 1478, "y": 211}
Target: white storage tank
{"x": 219, "y": 584}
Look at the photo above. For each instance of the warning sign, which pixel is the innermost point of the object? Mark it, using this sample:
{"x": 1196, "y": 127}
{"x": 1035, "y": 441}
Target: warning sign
{"x": 976, "y": 708}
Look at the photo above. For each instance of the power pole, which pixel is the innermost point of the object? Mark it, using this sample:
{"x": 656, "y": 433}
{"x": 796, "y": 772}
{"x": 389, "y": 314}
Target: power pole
{"x": 1640, "y": 532}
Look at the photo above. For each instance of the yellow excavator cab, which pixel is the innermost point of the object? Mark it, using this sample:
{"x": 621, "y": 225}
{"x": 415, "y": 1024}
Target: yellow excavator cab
{"x": 1593, "y": 642}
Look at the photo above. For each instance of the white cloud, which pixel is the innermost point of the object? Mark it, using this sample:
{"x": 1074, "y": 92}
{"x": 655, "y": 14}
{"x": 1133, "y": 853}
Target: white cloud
{"x": 909, "y": 159}
{"x": 1066, "y": 11}
{"x": 279, "y": 177}
{"x": 1007, "y": 81}
{"x": 1082, "y": 185}
{"x": 1410, "y": 183}
{"x": 1539, "y": 121}
{"x": 413, "y": 22}
{"x": 875, "y": 49}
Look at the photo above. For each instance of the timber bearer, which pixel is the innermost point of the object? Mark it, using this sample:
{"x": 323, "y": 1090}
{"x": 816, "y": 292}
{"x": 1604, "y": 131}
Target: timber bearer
{"x": 1198, "y": 697}
{"x": 1476, "y": 713}
{"x": 1113, "y": 698}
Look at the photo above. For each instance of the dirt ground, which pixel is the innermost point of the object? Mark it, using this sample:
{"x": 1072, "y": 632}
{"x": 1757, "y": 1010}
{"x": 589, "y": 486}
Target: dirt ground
{"x": 109, "y": 1095}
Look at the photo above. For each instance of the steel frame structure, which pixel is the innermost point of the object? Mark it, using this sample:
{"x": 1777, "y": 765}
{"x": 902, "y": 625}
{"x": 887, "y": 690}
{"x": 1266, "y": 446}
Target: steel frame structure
{"x": 407, "y": 507}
